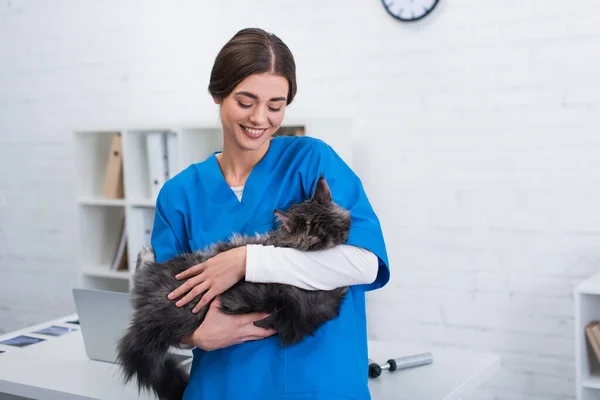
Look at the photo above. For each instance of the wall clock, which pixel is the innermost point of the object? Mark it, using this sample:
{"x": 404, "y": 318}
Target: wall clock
{"x": 409, "y": 10}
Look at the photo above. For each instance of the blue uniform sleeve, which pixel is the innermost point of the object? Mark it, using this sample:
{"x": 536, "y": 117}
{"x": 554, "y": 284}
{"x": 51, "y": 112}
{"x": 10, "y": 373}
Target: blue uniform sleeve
{"x": 347, "y": 191}
{"x": 168, "y": 232}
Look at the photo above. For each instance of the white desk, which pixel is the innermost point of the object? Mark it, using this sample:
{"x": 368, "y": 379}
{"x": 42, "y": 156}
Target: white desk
{"x": 58, "y": 368}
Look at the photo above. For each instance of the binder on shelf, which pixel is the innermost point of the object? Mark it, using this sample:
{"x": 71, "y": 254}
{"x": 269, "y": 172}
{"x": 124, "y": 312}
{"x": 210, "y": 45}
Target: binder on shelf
{"x": 120, "y": 258}
{"x": 113, "y": 178}
{"x": 592, "y": 332}
{"x": 157, "y": 161}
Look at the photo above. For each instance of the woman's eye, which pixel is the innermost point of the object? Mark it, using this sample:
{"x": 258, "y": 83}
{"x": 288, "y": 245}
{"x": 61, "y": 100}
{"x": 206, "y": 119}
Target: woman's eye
{"x": 244, "y": 105}
{"x": 275, "y": 109}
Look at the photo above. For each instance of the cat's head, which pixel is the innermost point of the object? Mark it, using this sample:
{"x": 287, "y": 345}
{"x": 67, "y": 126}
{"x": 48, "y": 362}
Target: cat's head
{"x": 315, "y": 224}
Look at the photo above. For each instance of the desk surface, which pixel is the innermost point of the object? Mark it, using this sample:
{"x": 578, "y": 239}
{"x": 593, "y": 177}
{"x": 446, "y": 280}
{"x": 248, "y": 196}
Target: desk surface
{"x": 58, "y": 368}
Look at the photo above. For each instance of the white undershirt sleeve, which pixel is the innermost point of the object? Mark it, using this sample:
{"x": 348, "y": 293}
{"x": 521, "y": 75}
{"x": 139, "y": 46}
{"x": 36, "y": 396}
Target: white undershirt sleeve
{"x": 343, "y": 265}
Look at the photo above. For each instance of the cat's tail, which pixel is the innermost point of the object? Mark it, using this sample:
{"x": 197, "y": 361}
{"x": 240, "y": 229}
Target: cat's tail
{"x": 145, "y": 358}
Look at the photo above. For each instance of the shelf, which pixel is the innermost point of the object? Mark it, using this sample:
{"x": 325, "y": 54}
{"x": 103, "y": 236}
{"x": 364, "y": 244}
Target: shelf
{"x": 592, "y": 382}
{"x": 590, "y": 286}
{"x": 101, "y": 201}
{"x": 587, "y": 367}
{"x": 142, "y": 203}
{"x": 104, "y": 272}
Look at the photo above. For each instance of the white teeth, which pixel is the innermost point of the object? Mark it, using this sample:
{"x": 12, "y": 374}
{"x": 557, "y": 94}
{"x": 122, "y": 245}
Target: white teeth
{"x": 255, "y": 131}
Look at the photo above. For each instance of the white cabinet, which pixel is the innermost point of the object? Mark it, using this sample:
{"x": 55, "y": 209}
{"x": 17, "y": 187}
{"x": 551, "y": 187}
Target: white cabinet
{"x": 587, "y": 368}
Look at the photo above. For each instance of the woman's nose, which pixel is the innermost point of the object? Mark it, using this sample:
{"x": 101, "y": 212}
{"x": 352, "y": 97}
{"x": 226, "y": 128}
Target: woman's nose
{"x": 258, "y": 116}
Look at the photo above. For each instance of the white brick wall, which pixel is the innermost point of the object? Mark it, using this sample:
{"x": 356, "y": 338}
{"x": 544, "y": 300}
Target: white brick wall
{"x": 477, "y": 129}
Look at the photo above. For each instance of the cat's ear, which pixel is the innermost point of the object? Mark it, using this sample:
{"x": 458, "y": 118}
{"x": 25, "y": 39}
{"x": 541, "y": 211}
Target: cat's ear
{"x": 322, "y": 192}
{"x": 285, "y": 220}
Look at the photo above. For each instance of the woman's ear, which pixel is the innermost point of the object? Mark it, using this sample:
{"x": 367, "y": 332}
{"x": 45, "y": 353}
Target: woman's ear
{"x": 217, "y": 100}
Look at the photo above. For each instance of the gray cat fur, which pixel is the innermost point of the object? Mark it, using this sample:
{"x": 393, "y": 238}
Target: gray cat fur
{"x": 157, "y": 324}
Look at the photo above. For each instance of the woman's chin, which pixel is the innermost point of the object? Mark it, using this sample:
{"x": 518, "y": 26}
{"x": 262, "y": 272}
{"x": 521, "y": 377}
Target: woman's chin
{"x": 251, "y": 144}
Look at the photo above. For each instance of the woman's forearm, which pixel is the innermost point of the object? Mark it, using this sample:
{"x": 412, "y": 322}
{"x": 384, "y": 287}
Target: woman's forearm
{"x": 342, "y": 265}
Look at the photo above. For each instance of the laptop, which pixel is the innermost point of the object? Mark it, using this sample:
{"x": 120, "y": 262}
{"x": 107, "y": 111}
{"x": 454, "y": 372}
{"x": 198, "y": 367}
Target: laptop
{"x": 104, "y": 317}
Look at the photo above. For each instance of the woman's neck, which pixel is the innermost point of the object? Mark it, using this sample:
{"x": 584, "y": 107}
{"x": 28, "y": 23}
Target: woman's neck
{"x": 236, "y": 164}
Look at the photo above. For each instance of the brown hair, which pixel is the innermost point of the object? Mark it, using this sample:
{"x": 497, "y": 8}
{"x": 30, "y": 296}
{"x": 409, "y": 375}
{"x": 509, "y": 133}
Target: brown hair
{"x": 251, "y": 51}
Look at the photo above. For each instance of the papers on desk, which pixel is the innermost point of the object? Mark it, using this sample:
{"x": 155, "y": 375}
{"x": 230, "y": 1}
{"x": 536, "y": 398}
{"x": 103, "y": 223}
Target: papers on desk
{"x": 21, "y": 341}
{"x": 37, "y": 334}
{"x": 54, "y": 330}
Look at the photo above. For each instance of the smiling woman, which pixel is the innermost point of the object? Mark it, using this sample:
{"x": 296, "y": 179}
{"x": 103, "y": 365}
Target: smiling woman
{"x": 252, "y": 113}
{"x": 253, "y": 80}
{"x": 236, "y": 191}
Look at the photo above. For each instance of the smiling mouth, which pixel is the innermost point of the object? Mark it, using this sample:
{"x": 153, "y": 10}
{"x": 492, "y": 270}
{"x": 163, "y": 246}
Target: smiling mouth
{"x": 254, "y": 131}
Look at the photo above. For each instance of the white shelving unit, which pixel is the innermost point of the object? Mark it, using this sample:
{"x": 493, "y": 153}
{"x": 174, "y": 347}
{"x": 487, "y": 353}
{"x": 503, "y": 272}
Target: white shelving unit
{"x": 587, "y": 368}
{"x": 100, "y": 218}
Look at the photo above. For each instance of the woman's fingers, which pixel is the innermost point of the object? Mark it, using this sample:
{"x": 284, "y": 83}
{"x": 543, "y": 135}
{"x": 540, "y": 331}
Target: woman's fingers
{"x": 253, "y": 332}
{"x": 248, "y": 339}
{"x": 196, "y": 291}
{"x": 183, "y": 288}
{"x": 192, "y": 271}
{"x": 261, "y": 334}
{"x": 190, "y": 283}
{"x": 205, "y": 299}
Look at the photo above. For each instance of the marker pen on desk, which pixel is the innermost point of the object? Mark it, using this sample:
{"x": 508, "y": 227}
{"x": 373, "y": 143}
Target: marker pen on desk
{"x": 399, "y": 363}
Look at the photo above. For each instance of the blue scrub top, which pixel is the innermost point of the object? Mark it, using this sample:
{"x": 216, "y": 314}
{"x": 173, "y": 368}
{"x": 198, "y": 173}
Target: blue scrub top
{"x": 197, "y": 208}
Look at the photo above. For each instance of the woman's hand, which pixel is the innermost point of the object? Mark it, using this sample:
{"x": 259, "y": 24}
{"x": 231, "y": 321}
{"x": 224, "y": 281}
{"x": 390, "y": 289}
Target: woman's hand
{"x": 214, "y": 276}
{"x": 220, "y": 330}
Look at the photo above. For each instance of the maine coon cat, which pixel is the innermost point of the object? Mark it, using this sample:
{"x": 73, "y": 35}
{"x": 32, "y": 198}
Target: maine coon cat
{"x": 157, "y": 324}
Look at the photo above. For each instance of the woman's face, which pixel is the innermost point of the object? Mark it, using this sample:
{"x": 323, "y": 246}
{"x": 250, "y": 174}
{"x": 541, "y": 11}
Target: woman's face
{"x": 254, "y": 110}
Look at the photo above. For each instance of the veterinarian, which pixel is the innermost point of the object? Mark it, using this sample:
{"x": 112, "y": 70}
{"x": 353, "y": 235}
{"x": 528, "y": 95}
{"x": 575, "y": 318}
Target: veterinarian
{"x": 236, "y": 190}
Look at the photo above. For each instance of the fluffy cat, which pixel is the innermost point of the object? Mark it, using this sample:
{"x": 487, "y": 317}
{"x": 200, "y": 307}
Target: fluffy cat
{"x": 157, "y": 324}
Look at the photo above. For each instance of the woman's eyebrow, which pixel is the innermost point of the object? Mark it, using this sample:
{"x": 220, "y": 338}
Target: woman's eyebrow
{"x": 255, "y": 97}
